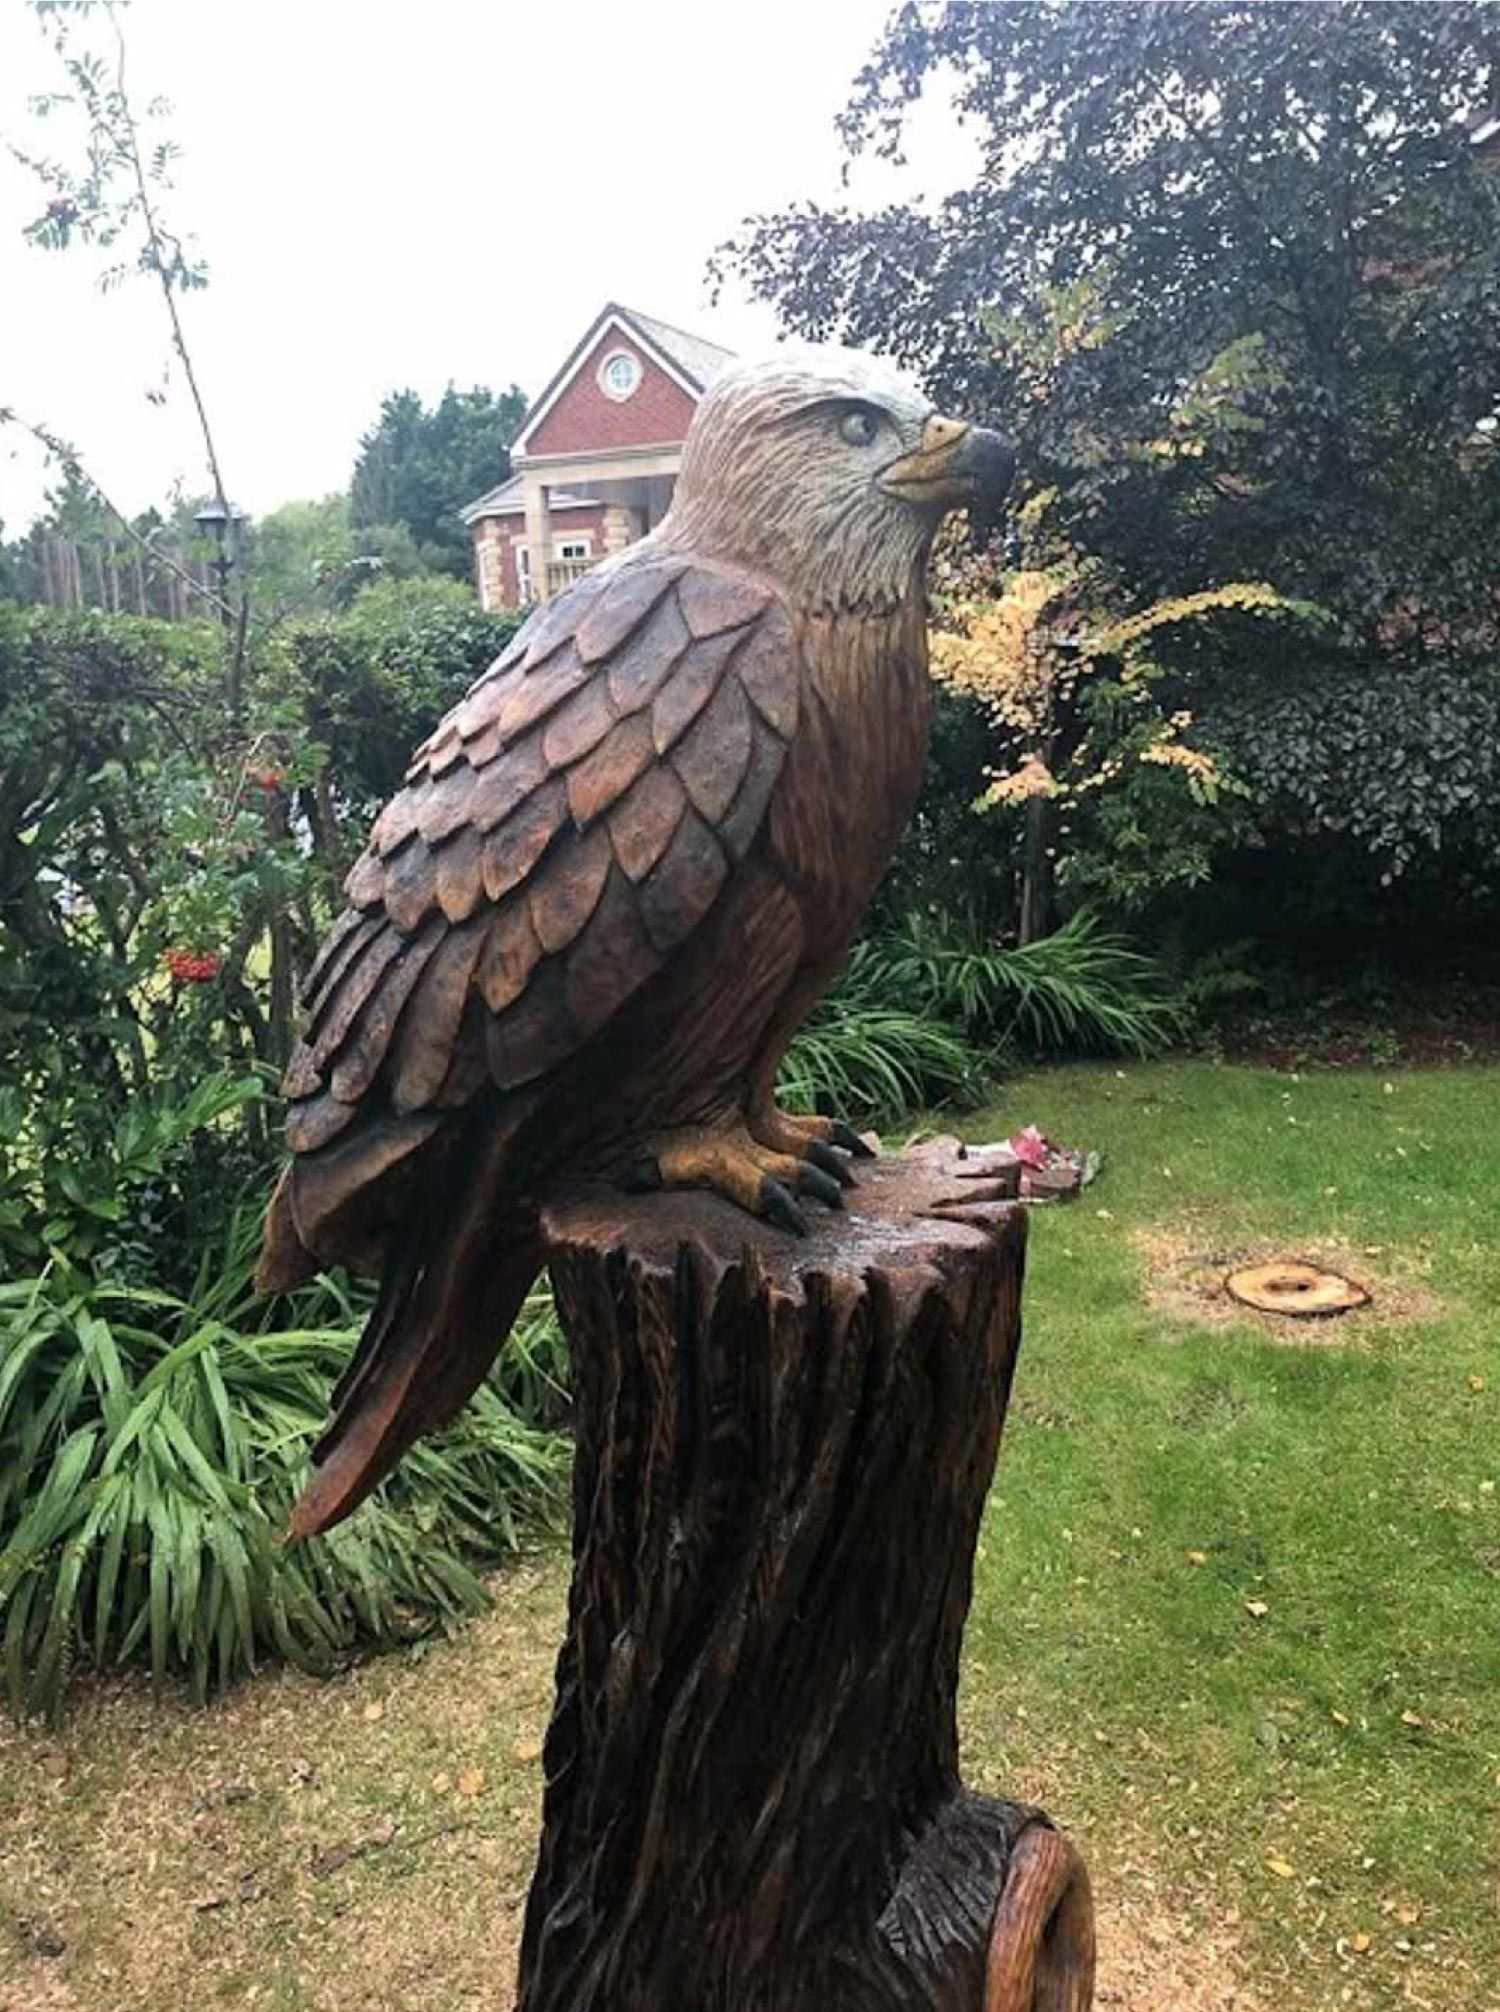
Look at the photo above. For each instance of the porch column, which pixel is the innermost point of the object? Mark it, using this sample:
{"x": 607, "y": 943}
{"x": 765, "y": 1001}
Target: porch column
{"x": 538, "y": 532}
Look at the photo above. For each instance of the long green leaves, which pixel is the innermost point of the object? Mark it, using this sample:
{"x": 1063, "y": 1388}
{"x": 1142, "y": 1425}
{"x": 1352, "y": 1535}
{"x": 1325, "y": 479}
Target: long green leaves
{"x": 876, "y": 1062}
{"x": 1082, "y": 989}
{"x": 920, "y": 1017}
{"x": 150, "y": 1450}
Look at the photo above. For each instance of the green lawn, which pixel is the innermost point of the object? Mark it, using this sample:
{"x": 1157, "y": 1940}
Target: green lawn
{"x": 1326, "y": 1770}
{"x": 1236, "y": 1624}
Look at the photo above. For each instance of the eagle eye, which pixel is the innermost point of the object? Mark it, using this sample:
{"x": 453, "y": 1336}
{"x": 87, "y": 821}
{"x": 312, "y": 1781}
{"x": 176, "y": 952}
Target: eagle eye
{"x": 859, "y": 426}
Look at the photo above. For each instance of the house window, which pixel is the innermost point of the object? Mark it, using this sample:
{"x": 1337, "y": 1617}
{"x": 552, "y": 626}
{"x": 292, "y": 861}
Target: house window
{"x": 523, "y": 574}
{"x": 619, "y": 375}
{"x": 573, "y": 548}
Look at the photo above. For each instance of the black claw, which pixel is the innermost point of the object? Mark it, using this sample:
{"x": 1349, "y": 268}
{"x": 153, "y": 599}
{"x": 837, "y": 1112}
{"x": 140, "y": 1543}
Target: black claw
{"x": 849, "y": 1139}
{"x": 831, "y": 1162}
{"x": 642, "y": 1176}
{"x": 822, "y": 1187}
{"x": 777, "y": 1206}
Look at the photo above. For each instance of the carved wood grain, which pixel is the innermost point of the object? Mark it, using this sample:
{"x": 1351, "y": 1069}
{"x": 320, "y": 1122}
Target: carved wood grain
{"x": 784, "y": 1446}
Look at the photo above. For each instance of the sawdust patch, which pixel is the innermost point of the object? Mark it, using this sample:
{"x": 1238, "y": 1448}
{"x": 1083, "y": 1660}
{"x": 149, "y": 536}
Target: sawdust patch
{"x": 1149, "y": 1962}
{"x": 1186, "y": 1264}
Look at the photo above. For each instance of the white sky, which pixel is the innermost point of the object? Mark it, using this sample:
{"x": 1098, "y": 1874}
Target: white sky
{"x": 395, "y": 195}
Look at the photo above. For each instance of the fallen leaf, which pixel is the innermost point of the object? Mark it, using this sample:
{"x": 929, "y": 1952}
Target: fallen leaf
{"x": 471, "y": 1781}
{"x": 441, "y": 1783}
{"x": 1411, "y": 1718}
{"x": 1476, "y": 1383}
{"x": 374, "y": 1711}
{"x": 383, "y": 1832}
{"x": 1257, "y": 1609}
{"x": 1408, "y": 1914}
{"x": 210, "y": 1900}
{"x": 527, "y": 1751}
{"x": 1359, "y": 1943}
{"x": 1197, "y": 1557}
{"x": 1282, "y": 1868}
{"x": 1339, "y": 1718}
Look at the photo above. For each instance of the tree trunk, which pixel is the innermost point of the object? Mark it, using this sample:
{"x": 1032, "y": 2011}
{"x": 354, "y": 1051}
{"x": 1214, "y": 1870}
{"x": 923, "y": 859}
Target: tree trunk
{"x": 784, "y": 1447}
{"x": 1039, "y": 871}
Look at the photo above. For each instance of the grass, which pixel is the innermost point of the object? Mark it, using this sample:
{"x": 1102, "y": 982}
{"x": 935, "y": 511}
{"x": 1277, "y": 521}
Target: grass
{"x": 1325, "y": 1772}
{"x": 1311, "y": 1790}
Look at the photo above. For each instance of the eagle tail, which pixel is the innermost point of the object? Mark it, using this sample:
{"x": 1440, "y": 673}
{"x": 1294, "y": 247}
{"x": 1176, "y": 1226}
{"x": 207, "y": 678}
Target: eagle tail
{"x": 447, "y": 1301}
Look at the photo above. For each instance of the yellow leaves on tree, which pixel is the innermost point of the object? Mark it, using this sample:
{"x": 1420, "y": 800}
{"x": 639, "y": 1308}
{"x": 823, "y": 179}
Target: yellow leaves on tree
{"x": 1026, "y": 654}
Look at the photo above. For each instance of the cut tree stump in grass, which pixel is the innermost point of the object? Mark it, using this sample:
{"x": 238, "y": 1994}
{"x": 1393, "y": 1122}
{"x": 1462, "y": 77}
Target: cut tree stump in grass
{"x": 1293, "y": 1286}
{"x": 784, "y": 1447}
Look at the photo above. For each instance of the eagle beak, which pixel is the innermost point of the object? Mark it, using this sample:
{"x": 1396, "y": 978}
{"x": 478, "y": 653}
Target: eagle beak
{"x": 956, "y": 463}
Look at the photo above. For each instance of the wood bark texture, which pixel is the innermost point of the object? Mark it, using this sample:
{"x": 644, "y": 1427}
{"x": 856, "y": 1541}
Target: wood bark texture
{"x": 784, "y": 1447}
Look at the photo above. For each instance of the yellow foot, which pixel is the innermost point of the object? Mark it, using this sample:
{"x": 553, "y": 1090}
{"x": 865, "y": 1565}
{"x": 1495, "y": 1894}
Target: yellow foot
{"x": 727, "y": 1159}
{"x": 824, "y": 1141}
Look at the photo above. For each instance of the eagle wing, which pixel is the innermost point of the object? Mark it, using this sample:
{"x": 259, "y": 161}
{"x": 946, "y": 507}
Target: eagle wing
{"x": 566, "y": 827}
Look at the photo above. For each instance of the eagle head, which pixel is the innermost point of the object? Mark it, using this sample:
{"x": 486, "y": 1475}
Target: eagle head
{"x": 829, "y": 470}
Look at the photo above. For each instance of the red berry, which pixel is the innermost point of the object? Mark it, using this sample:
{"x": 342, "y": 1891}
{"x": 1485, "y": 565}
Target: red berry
{"x": 193, "y": 967}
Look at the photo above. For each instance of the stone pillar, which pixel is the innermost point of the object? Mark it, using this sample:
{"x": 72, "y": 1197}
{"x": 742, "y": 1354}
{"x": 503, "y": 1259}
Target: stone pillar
{"x": 622, "y": 527}
{"x": 538, "y": 533}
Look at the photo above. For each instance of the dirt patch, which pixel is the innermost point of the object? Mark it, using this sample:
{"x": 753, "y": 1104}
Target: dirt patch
{"x": 1186, "y": 1266}
{"x": 1151, "y": 1962}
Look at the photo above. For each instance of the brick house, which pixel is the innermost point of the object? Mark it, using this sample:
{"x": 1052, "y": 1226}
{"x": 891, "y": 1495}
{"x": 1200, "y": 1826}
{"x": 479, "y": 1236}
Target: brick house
{"x": 593, "y": 466}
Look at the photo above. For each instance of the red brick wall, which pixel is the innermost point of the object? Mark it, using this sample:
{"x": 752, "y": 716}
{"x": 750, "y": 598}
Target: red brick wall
{"x": 583, "y": 419}
{"x": 508, "y": 532}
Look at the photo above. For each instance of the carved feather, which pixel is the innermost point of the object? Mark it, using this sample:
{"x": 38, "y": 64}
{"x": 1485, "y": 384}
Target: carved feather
{"x": 568, "y": 889}
{"x": 335, "y": 1012}
{"x": 429, "y": 1027}
{"x": 540, "y": 693}
{"x": 579, "y": 725}
{"x": 512, "y": 951}
{"x": 689, "y": 690}
{"x": 364, "y": 1051}
{"x": 602, "y": 777}
{"x": 631, "y": 596}
{"x": 459, "y": 875}
{"x": 713, "y": 755}
{"x": 513, "y": 848}
{"x": 345, "y": 940}
{"x": 641, "y": 824}
{"x": 712, "y": 602}
{"x": 677, "y": 895}
{"x": 612, "y": 958}
{"x": 574, "y": 822}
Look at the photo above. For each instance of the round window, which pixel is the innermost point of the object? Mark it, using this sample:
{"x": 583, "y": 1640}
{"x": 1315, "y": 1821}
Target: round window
{"x": 619, "y": 374}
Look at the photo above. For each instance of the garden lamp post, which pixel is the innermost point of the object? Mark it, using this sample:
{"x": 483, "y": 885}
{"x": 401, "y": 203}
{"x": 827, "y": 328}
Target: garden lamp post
{"x": 220, "y": 521}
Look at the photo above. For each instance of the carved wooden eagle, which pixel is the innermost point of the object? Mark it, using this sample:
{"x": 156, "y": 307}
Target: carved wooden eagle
{"x": 621, "y": 872}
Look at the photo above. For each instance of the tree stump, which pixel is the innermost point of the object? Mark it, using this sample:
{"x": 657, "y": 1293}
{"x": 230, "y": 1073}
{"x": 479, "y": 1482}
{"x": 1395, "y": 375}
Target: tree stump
{"x": 784, "y": 1446}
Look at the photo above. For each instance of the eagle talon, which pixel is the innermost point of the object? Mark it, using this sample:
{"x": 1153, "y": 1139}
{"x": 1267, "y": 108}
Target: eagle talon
{"x": 730, "y": 1162}
{"x": 846, "y": 1136}
{"x": 811, "y": 1180}
{"x": 777, "y": 1206}
{"x": 828, "y": 1161}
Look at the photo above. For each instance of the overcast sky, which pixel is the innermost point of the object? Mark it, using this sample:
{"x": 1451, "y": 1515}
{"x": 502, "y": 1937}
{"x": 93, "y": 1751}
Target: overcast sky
{"x": 406, "y": 194}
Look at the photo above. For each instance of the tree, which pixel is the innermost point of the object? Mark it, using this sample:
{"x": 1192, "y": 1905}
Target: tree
{"x": 1232, "y": 274}
{"x": 417, "y": 468}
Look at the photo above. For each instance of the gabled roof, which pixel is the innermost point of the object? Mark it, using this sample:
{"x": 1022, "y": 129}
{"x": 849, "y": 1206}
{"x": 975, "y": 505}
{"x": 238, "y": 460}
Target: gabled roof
{"x": 506, "y": 500}
{"x": 697, "y": 359}
{"x": 687, "y": 359}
